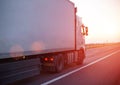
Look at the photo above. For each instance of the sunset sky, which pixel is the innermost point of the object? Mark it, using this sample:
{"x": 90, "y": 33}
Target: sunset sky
{"x": 102, "y": 18}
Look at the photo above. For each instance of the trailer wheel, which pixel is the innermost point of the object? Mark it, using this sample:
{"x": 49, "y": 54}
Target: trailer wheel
{"x": 81, "y": 56}
{"x": 59, "y": 63}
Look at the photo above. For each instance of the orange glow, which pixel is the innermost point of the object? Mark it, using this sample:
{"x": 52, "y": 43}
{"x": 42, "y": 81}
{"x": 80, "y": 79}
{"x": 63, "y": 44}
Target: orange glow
{"x": 37, "y": 46}
{"x": 16, "y": 51}
{"x": 102, "y": 18}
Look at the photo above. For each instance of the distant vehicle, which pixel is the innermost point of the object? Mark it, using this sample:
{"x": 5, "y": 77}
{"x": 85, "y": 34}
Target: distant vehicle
{"x": 38, "y": 35}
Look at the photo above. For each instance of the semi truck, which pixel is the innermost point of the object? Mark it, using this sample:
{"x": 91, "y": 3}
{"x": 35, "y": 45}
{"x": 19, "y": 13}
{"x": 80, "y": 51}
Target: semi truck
{"x": 39, "y": 35}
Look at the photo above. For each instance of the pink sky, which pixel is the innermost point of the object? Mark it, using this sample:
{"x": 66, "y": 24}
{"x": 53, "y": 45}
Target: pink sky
{"x": 102, "y": 17}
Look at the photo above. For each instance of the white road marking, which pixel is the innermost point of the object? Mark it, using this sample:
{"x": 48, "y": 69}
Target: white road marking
{"x": 76, "y": 70}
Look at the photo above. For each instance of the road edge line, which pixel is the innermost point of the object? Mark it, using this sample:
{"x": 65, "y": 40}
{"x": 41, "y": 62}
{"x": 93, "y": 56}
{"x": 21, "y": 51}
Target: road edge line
{"x": 78, "y": 69}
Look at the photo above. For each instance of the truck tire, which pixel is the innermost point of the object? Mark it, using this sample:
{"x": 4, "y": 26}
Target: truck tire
{"x": 81, "y": 56}
{"x": 59, "y": 65}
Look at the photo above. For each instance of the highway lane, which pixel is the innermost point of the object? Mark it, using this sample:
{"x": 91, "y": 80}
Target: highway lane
{"x": 91, "y": 74}
{"x": 105, "y": 72}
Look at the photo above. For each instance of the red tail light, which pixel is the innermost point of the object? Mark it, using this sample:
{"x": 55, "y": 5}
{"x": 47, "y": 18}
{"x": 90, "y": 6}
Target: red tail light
{"x": 46, "y": 59}
{"x": 52, "y": 59}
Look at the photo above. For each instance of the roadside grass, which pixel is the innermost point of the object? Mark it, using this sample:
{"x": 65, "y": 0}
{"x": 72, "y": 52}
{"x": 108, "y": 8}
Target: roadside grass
{"x": 96, "y": 45}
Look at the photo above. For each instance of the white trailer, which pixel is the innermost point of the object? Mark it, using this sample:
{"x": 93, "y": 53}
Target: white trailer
{"x": 37, "y": 34}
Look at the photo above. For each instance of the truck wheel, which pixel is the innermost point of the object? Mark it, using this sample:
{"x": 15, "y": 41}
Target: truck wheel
{"x": 59, "y": 63}
{"x": 81, "y": 56}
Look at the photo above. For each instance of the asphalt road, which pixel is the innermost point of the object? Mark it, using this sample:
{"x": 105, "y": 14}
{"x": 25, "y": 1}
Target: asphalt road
{"x": 101, "y": 67}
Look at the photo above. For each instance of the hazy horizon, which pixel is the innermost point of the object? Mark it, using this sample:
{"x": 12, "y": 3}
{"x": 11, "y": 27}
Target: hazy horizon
{"x": 102, "y": 18}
